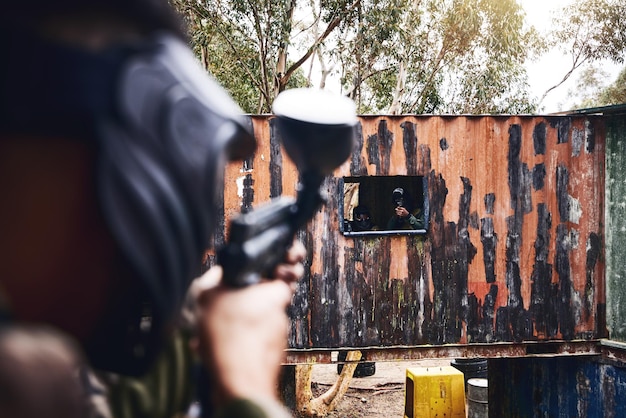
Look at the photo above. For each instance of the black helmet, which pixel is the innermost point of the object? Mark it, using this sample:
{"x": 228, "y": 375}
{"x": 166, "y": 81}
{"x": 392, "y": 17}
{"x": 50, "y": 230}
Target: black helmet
{"x": 398, "y": 196}
{"x": 361, "y": 219}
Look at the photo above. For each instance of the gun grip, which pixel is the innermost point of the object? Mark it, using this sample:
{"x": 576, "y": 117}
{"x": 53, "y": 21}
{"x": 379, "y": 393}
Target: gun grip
{"x": 248, "y": 262}
{"x": 257, "y": 243}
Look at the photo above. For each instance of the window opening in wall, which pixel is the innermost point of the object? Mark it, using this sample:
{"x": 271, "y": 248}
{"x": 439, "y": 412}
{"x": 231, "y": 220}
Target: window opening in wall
{"x": 383, "y": 205}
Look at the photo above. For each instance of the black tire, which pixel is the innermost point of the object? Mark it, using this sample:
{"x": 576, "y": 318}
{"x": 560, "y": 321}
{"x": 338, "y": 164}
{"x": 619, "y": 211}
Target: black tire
{"x": 363, "y": 369}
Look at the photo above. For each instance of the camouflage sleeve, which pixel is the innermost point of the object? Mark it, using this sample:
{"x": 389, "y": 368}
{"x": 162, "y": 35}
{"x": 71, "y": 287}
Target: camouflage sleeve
{"x": 417, "y": 220}
{"x": 165, "y": 392}
{"x": 169, "y": 390}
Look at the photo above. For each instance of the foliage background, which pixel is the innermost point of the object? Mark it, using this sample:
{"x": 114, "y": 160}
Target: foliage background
{"x": 405, "y": 56}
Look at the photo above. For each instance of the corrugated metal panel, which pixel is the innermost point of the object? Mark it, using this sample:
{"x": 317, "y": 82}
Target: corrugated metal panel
{"x": 514, "y": 248}
{"x": 616, "y": 225}
{"x": 573, "y": 387}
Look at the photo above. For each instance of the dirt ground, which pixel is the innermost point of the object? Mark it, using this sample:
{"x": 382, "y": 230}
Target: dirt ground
{"x": 377, "y": 396}
{"x": 381, "y": 402}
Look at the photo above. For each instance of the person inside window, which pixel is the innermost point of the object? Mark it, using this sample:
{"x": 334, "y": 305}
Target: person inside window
{"x": 405, "y": 215}
{"x": 362, "y": 219}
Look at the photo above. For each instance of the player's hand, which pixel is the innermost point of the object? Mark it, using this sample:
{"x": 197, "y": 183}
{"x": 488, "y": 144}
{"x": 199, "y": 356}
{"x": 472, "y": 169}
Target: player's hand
{"x": 242, "y": 333}
{"x": 401, "y": 212}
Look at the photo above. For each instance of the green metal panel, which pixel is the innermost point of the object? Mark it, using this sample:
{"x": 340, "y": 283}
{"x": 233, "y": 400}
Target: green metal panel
{"x": 616, "y": 225}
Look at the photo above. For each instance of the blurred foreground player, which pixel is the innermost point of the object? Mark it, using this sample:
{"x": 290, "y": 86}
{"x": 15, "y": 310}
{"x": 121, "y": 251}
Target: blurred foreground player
{"x": 112, "y": 146}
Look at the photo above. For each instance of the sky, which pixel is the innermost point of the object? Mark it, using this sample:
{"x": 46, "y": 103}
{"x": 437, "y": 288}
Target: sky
{"x": 551, "y": 68}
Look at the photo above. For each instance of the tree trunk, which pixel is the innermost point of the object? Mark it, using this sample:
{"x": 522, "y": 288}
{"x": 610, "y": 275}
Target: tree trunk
{"x": 396, "y": 107}
{"x": 306, "y": 404}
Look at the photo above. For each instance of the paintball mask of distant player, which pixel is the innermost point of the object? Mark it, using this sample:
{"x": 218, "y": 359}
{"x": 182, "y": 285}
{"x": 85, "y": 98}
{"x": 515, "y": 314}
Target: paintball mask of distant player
{"x": 361, "y": 219}
{"x": 398, "y": 197}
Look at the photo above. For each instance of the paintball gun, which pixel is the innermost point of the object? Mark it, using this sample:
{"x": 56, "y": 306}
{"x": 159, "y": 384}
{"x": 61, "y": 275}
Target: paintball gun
{"x": 317, "y": 132}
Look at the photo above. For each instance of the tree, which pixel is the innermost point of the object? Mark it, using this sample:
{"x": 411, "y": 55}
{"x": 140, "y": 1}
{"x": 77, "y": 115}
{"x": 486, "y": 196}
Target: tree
{"x": 589, "y": 31}
{"x": 590, "y": 82}
{"x": 391, "y": 56}
{"x": 236, "y": 72}
{"x": 411, "y": 56}
{"x": 245, "y": 44}
{"x": 490, "y": 77}
{"x": 616, "y": 92}
{"x": 593, "y": 91}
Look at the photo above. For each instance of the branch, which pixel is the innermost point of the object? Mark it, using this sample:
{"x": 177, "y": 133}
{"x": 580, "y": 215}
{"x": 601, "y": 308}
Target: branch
{"x": 331, "y": 26}
{"x": 264, "y": 87}
{"x": 281, "y": 61}
{"x": 575, "y": 65}
{"x": 436, "y": 67}
{"x": 366, "y": 77}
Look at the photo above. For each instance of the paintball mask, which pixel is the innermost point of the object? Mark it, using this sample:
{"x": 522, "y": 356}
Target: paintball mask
{"x": 398, "y": 197}
{"x": 361, "y": 219}
{"x": 163, "y": 131}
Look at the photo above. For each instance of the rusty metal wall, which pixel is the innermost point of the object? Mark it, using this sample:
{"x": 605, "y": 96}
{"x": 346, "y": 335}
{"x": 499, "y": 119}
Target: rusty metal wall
{"x": 514, "y": 248}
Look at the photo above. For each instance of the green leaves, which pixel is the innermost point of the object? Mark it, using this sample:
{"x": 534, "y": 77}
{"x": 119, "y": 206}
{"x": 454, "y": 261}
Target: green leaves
{"x": 243, "y": 44}
{"x": 589, "y": 31}
{"x": 393, "y": 56}
{"x": 593, "y": 29}
{"x": 438, "y": 56}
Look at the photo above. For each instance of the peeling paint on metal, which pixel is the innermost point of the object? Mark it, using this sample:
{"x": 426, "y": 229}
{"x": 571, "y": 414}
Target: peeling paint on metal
{"x": 489, "y": 240}
{"x": 539, "y": 138}
{"x": 245, "y": 190}
{"x": 575, "y": 209}
{"x": 563, "y": 127}
{"x": 276, "y": 162}
{"x": 514, "y": 248}
{"x": 578, "y": 139}
{"x": 539, "y": 175}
